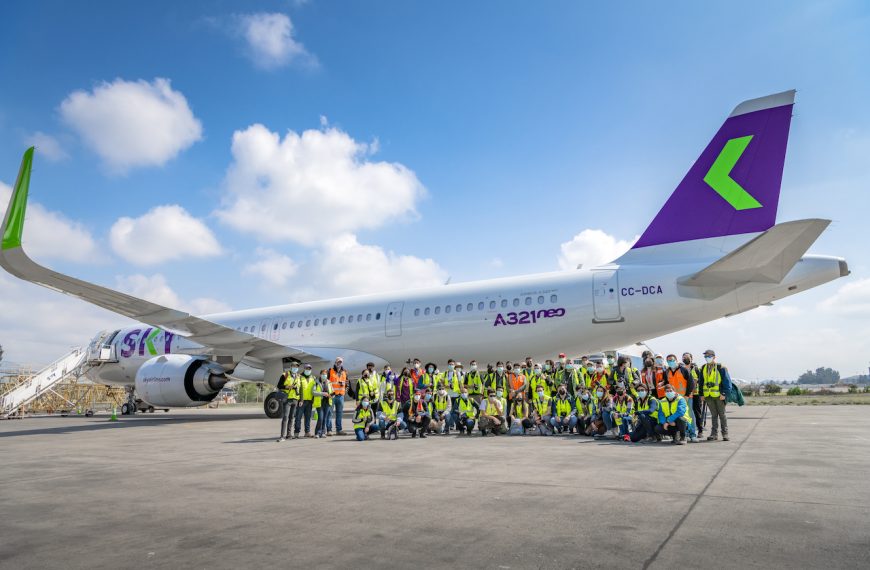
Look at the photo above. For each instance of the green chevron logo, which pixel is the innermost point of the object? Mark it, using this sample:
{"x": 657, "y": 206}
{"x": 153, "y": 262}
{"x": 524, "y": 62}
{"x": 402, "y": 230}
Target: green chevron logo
{"x": 719, "y": 175}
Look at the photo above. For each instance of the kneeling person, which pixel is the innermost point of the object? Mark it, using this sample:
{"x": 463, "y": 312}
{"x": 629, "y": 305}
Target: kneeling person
{"x": 674, "y": 416}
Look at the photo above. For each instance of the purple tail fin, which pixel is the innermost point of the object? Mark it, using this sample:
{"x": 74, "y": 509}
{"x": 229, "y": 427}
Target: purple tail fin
{"x": 733, "y": 187}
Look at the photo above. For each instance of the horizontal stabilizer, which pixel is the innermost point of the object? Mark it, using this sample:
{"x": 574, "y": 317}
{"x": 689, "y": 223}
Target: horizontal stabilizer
{"x": 766, "y": 259}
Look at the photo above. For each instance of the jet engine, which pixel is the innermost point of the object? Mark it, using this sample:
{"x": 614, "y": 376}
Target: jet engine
{"x": 179, "y": 380}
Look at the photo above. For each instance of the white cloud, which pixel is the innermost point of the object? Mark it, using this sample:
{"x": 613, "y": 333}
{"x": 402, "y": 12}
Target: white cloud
{"x": 309, "y": 187}
{"x": 850, "y": 300}
{"x": 154, "y": 288}
{"x": 132, "y": 123}
{"x": 47, "y": 145}
{"x": 591, "y": 248}
{"x": 163, "y": 233}
{"x": 270, "y": 40}
{"x": 50, "y": 235}
{"x": 272, "y": 267}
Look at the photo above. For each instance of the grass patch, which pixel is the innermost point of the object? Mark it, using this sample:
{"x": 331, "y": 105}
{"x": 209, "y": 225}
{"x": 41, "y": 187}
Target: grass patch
{"x": 809, "y": 400}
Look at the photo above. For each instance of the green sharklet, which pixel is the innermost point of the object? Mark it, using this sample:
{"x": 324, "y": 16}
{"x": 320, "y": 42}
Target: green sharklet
{"x": 719, "y": 175}
{"x": 18, "y": 204}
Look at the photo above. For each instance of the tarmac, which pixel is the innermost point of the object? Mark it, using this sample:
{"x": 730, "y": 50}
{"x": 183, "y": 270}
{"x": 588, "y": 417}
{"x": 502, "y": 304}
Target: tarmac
{"x": 212, "y": 488}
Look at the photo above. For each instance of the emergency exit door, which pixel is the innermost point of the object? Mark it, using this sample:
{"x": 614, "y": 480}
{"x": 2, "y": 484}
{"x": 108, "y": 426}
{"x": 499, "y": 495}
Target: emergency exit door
{"x": 393, "y": 322}
{"x": 605, "y": 296}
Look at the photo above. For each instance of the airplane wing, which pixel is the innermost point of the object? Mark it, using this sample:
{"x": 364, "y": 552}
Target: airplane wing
{"x": 222, "y": 340}
{"x": 767, "y": 258}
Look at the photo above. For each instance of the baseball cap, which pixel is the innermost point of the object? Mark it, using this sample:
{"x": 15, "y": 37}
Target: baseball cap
{"x": 709, "y": 352}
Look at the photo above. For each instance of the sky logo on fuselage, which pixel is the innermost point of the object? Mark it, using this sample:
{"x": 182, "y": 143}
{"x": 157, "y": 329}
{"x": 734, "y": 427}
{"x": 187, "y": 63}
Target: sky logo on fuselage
{"x": 139, "y": 341}
{"x": 719, "y": 175}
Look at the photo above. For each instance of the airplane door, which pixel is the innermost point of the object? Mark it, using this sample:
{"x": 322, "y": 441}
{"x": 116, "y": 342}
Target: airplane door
{"x": 393, "y": 321}
{"x": 605, "y": 296}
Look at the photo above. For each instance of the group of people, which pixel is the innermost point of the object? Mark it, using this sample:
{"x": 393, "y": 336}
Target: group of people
{"x": 667, "y": 399}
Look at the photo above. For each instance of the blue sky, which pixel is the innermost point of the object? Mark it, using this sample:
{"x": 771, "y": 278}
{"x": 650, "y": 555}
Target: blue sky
{"x": 516, "y": 125}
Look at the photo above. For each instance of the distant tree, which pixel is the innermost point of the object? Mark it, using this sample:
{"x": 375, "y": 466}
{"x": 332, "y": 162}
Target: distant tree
{"x": 794, "y": 391}
{"x": 853, "y": 389}
{"x": 772, "y": 388}
{"x": 247, "y": 392}
{"x": 820, "y": 376}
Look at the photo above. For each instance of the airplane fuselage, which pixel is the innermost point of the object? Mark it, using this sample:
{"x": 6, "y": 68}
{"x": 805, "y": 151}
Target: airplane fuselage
{"x": 578, "y": 312}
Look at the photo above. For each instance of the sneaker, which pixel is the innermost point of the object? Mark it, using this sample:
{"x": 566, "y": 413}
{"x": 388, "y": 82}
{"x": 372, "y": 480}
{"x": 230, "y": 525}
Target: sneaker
{"x": 329, "y": 434}
{"x": 339, "y": 432}
{"x": 295, "y": 436}
{"x": 280, "y": 439}
{"x": 693, "y": 440}
{"x": 414, "y": 434}
{"x": 626, "y": 438}
{"x": 308, "y": 435}
{"x": 422, "y": 436}
{"x": 713, "y": 437}
{"x": 725, "y": 437}
{"x": 680, "y": 441}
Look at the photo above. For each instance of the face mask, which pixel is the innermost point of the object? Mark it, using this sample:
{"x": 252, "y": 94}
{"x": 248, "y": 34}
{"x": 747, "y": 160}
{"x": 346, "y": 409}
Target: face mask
{"x": 563, "y": 360}
{"x": 464, "y": 396}
{"x": 641, "y": 394}
{"x": 610, "y": 361}
{"x": 431, "y": 370}
{"x": 670, "y": 395}
{"x": 474, "y": 367}
{"x": 600, "y": 394}
{"x": 672, "y": 364}
{"x": 585, "y": 397}
{"x": 428, "y": 397}
{"x": 442, "y": 393}
{"x": 322, "y": 376}
{"x": 417, "y": 365}
{"x": 709, "y": 359}
{"x": 590, "y": 369}
{"x": 537, "y": 370}
{"x": 540, "y": 393}
{"x": 500, "y": 370}
{"x": 547, "y": 367}
{"x": 416, "y": 397}
{"x": 659, "y": 361}
{"x": 365, "y": 404}
{"x": 600, "y": 370}
{"x": 451, "y": 367}
{"x": 499, "y": 393}
{"x": 308, "y": 373}
{"x": 294, "y": 370}
{"x": 570, "y": 367}
{"x": 687, "y": 361}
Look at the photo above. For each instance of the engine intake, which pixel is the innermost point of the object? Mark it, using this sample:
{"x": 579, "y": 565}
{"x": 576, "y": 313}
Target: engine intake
{"x": 179, "y": 380}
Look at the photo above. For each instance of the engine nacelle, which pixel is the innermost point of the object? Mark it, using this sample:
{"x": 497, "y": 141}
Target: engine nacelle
{"x": 179, "y": 380}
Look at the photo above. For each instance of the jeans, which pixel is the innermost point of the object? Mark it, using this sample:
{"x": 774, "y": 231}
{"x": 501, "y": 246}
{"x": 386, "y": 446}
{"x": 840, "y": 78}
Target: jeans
{"x": 385, "y": 424}
{"x": 645, "y": 427}
{"x": 607, "y": 417}
{"x": 463, "y": 422}
{"x": 303, "y": 409}
{"x": 625, "y": 426}
{"x": 692, "y": 428}
{"x": 360, "y": 434}
{"x": 338, "y": 410}
{"x": 717, "y": 412}
{"x": 323, "y": 415}
{"x": 568, "y": 422}
{"x": 678, "y": 426}
{"x": 288, "y": 414}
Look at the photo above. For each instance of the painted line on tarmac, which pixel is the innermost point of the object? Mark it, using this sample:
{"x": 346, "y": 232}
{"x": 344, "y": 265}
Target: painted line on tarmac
{"x": 680, "y": 522}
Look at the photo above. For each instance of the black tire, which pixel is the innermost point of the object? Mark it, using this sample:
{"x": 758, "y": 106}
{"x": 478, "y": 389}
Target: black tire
{"x": 150, "y": 409}
{"x": 125, "y": 409}
{"x": 89, "y": 414}
{"x": 272, "y": 405}
{"x": 134, "y": 409}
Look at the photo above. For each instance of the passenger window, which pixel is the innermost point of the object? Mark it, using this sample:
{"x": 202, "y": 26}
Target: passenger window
{"x": 447, "y": 309}
{"x": 438, "y": 310}
{"x": 528, "y": 301}
{"x": 416, "y": 312}
{"x": 244, "y": 329}
{"x": 369, "y": 317}
{"x": 299, "y": 324}
{"x": 378, "y": 317}
{"x": 540, "y": 299}
{"x": 316, "y": 322}
{"x": 275, "y": 327}
{"x": 492, "y": 305}
{"x": 350, "y": 319}
{"x": 332, "y": 321}
{"x": 503, "y": 303}
{"x": 459, "y": 308}
{"x": 469, "y": 307}
{"x": 341, "y": 321}
{"x": 283, "y": 325}
{"x": 553, "y": 298}
{"x": 426, "y": 311}
{"x": 292, "y": 323}
{"x": 516, "y": 302}
{"x": 359, "y": 318}
{"x": 263, "y": 328}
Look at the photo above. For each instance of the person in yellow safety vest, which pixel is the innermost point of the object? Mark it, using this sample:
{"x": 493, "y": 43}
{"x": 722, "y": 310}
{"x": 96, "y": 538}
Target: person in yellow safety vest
{"x": 492, "y": 414}
{"x": 496, "y": 379}
{"x": 390, "y": 418}
{"x": 585, "y": 407}
{"x": 442, "y": 412}
{"x": 322, "y": 400}
{"x": 338, "y": 379}
{"x": 599, "y": 377}
{"x": 569, "y": 377}
{"x": 374, "y": 390}
{"x": 587, "y": 373}
{"x": 363, "y": 420}
{"x": 519, "y": 413}
{"x": 451, "y": 380}
{"x": 465, "y": 412}
{"x": 306, "y": 405}
{"x": 564, "y": 414}
{"x": 537, "y": 378}
{"x": 715, "y": 386}
{"x": 603, "y": 409}
{"x": 674, "y": 416}
{"x": 542, "y": 412}
{"x": 473, "y": 382}
{"x": 697, "y": 399}
{"x": 429, "y": 379}
{"x": 623, "y": 409}
{"x": 289, "y": 385}
{"x": 646, "y": 415}
{"x": 624, "y": 373}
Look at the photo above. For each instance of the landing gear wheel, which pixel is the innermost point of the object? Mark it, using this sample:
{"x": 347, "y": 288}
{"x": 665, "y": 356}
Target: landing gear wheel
{"x": 150, "y": 409}
{"x": 125, "y": 409}
{"x": 89, "y": 413}
{"x": 133, "y": 409}
{"x": 272, "y": 406}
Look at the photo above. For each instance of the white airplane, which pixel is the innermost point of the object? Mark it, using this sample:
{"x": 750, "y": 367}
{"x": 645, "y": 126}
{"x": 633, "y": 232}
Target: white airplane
{"x": 712, "y": 251}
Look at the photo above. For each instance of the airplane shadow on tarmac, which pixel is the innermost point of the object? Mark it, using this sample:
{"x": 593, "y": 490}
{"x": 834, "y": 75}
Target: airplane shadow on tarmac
{"x": 103, "y": 424}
